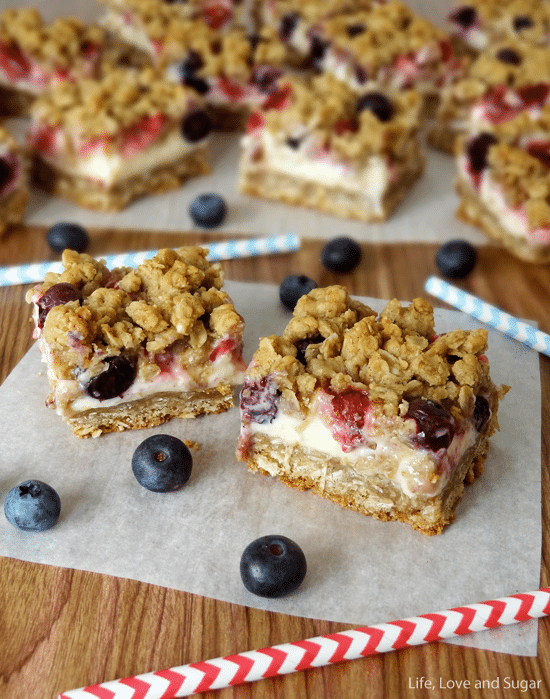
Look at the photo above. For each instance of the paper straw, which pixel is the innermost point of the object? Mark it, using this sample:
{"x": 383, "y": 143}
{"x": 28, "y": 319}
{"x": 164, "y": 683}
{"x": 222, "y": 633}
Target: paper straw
{"x": 491, "y": 315}
{"x": 286, "y": 658}
{"x": 227, "y": 250}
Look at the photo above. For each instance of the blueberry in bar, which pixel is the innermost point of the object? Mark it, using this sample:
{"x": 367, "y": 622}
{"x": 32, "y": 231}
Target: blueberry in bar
{"x": 13, "y": 181}
{"x": 504, "y": 184}
{"x": 35, "y": 54}
{"x": 509, "y": 77}
{"x": 478, "y": 23}
{"x": 104, "y": 143}
{"x": 385, "y": 45}
{"x": 374, "y": 412}
{"x": 133, "y": 348}
{"x": 319, "y": 144}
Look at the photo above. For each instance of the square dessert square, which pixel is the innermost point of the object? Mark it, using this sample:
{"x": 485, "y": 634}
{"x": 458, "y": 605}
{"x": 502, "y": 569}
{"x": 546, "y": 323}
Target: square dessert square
{"x": 478, "y": 23}
{"x": 504, "y": 185}
{"x": 385, "y": 45}
{"x": 374, "y": 412}
{"x": 104, "y": 143}
{"x": 319, "y": 144}
{"x": 13, "y": 181}
{"x": 34, "y": 54}
{"x": 132, "y": 348}
{"x": 504, "y": 80}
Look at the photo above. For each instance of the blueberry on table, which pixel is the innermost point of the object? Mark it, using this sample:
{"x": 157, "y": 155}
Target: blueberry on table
{"x": 456, "y": 259}
{"x": 67, "y": 235}
{"x": 273, "y": 566}
{"x": 293, "y": 288}
{"x": 162, "y": 463}
{"x": 32, "y": 506}
{"x": 341, "y": 255}
{"x": 208, "y": 210}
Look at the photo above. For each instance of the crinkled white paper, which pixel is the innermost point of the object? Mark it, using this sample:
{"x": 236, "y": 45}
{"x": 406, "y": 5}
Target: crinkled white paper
{"x": 360, "y": 571}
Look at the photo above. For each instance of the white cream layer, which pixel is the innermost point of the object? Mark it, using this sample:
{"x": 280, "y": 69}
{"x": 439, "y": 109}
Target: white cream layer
{"x": 111, "y": 168}
{"x": 116, "y": 23}
{"x": 371, "y": 181}
{"x": 412, "y": 469}
{"x": 491, "y": 195}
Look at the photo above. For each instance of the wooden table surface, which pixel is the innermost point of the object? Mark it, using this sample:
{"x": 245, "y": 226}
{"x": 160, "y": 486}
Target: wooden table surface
{"x": 61, "y": 629}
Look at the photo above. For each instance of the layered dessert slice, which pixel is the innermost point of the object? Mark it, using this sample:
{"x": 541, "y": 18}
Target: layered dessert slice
{"x": 321, "y": 145}
{"x": 34, "y": 54}
{"x": 506, "y": 79}
{"x": 388, "y": 45}
{"x": 132, "y": 348}
{"x": 13, "y": 181}
{"x": 376, "y": 413}
{"x": 504, "y": 187}
{"x": 478, "y": 23}
{"x": 104, "y": 143}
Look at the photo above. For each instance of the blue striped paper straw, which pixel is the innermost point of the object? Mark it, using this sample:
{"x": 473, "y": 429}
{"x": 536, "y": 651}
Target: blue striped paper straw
{"x": 491, "y": 315}
{"x": 225, "y": 250}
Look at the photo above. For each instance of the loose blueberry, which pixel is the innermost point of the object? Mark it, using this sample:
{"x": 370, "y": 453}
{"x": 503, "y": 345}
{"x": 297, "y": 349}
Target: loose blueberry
{"x": 377, "y": 103}
{"x": 293, "y": 288}
{"x": 456, "y": 259}
{"x": 341, "y": 255}
{"x": 259, "y": 401}
{"x": 162, "y": 463}
{"x": 509, "y": 56}
{"x": 32, "y": 506}
{"x": 56, "y": 295}
{"x": 465, "y": 17}
{"x": 477, "y": 150}
{"x": 482, "y": 413}
{"x": 196, "y": 125}
{"x": 522, "y": 22}
{"x": 67, "y": 235}
{"x": 273, "y": 566}
{"x": 435, "y": 426}
{"x": 117, "y": 377}
{"x": 6, "y": 173}
{"x": 208, "y": 210}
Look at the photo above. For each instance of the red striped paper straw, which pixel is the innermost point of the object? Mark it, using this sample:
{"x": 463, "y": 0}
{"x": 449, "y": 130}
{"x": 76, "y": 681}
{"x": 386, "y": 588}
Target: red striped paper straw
{"x": 319, "y": 651}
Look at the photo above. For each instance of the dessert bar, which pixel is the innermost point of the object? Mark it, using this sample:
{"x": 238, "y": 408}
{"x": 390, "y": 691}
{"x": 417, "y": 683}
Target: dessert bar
{"x": 13, "y": 181}
{"x": 376, "y": 413}
{"x": 504, "y": 186}
{"x": 506, "y": 79}
{"x": 319, "y": 144}
{"x": 104, "y": 143}
{"x": 132, "y": 348}
{"x": 478, "y": 23}
{"x": 33, "y": 55}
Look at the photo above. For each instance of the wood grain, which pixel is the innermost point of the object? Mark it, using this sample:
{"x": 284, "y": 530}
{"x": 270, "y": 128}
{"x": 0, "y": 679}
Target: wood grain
{"x": 61, "y": 629}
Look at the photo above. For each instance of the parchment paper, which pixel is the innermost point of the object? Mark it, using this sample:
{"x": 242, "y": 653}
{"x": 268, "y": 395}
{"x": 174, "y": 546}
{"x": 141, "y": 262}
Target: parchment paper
{"x": 360, "y": 571}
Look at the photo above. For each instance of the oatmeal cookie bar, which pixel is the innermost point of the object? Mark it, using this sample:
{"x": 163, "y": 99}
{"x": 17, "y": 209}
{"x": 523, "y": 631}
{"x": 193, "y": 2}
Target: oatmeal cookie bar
{"x": 506, "y": 79}
{"x": 376, "y": 413}
{"x": 132, "y": 348}
{"x": 321, "y": 145}
{"x": 104, "y": 143}
{"x": 478, "y": 23}
{"x": 13, "y": 181}
{"x": 34, "y": 54}
{"x": 504, "y": 187}
{"x": 387, "y": 45}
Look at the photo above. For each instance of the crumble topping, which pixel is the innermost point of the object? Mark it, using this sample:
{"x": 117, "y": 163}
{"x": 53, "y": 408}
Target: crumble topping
{"x": 394, "y": 356}
{"x": 328, "y": 108}
{"x": 59, "y": 44}
{"x": 174, "y": 297}
{"x": 8, "y": 144}
{"x": 314, "y": 10}
{"x": 95, "y": 108}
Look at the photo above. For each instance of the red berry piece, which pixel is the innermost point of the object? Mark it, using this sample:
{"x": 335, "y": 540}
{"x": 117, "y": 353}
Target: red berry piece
{"x": 56, "y": 295}
{"x": 117, "y": 377}
{"x": 273, "y": 566}
{"x": 349, "y": 412}
{"x": 259, "y": 400}
{"x": 435, "y": 426}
